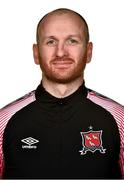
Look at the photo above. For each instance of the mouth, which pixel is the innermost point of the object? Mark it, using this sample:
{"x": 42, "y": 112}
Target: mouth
{"x": 62, "y": 64}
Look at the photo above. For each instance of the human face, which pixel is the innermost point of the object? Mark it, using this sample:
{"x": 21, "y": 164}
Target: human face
{"x": 62, "y": 51}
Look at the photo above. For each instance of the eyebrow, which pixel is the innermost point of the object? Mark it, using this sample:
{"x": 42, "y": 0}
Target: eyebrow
{"x": 75, "y": 35}
{"x": 69, "y": 36}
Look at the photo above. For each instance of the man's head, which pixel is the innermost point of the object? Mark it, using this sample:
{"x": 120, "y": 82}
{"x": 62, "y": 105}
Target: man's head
{"x": 63, "y": 46}
{"x": 63, "y": 11}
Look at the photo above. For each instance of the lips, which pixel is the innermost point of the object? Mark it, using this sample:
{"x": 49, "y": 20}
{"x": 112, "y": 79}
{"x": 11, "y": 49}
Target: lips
{"x": 66, "y": 63}
{"x": 62, "y": 65}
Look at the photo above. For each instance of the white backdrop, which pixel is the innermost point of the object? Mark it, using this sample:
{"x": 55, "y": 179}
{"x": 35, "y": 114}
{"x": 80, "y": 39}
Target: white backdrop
{"x": 18, "y": 21}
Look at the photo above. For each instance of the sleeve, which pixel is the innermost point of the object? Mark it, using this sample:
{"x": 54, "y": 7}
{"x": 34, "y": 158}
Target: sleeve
{"x": 1, "y": 162}
{"x": 121, "y": 158}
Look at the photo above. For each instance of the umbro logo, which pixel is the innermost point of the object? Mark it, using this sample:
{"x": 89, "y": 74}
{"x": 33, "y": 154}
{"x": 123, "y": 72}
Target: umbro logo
{"x": 29, "y": 143}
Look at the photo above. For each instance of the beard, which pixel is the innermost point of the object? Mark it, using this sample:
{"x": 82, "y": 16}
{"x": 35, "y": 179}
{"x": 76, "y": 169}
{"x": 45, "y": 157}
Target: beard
{"x": 63, "y": 75}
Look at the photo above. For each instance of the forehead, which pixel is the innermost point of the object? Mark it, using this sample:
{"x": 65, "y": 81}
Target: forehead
{"x": 61, "y": 23}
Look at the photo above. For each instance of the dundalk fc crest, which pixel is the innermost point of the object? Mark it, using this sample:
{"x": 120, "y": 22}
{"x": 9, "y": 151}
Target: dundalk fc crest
{"x": 92, "y": 141}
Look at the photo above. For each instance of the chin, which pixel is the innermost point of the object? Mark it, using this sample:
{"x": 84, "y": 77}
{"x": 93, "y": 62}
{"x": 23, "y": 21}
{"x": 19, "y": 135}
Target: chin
{"x": 63, "y": 80}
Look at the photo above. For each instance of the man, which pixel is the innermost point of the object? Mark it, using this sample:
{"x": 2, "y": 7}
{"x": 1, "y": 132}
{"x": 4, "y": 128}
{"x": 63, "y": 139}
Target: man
{"x": 62, "y": 129}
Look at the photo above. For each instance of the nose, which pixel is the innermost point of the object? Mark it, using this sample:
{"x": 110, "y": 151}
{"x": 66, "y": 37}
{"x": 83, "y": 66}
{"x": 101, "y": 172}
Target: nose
{"x": 61, "y": 50}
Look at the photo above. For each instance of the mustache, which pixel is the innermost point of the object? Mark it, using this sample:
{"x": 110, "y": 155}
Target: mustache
{"x": 63, "y": 59}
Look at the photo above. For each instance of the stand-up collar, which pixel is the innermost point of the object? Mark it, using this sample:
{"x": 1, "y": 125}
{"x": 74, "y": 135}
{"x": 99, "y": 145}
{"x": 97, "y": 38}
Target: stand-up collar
{"x": 45, "y": 97}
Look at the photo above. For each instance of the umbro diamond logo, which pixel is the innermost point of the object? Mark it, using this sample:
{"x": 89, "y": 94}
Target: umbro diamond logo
{"x": 30, "y": 143}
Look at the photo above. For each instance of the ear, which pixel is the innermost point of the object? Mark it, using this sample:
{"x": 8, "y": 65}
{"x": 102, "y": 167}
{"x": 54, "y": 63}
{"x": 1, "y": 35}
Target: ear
{"x": 89, "y": 51}
{"x": 36, "y": 53}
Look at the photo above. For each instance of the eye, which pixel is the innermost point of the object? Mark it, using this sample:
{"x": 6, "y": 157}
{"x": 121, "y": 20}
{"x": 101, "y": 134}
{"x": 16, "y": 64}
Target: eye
{"x": 51, "y": 42}
{"x": 72, "y": 41}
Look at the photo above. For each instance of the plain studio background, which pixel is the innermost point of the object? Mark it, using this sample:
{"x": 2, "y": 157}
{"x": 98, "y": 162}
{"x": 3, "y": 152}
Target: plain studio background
{"x": 18, "y": 20}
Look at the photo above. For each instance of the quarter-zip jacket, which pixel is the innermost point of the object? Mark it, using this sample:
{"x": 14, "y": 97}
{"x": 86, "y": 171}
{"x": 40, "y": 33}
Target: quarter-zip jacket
{"x": 72, "y": 137}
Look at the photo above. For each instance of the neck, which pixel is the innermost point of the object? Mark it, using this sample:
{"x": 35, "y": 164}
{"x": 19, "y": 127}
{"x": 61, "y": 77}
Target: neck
{"x": 61, "y": 90}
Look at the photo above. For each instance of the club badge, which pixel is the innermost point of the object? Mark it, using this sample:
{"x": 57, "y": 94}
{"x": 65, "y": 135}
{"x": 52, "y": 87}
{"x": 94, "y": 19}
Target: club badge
{"x": 92, "y": 141}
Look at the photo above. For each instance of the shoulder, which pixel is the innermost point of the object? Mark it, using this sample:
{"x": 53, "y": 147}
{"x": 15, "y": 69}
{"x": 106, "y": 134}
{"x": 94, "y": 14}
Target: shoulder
{"x": 5, "y": 115}
{"x": 105, "y": 102}
{"x": 8, "y": 111}
{"x": 113, "y": 107}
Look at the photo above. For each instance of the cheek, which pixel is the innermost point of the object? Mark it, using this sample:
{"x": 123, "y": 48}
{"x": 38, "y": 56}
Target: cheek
{"x": 47, "y": 53}
{"x": 77, "y": 53}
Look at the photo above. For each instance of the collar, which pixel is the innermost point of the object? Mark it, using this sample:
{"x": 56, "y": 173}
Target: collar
{"x": 42, "y": 96}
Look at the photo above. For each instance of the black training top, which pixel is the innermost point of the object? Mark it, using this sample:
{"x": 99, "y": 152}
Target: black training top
{"x": 70, "y": 137}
